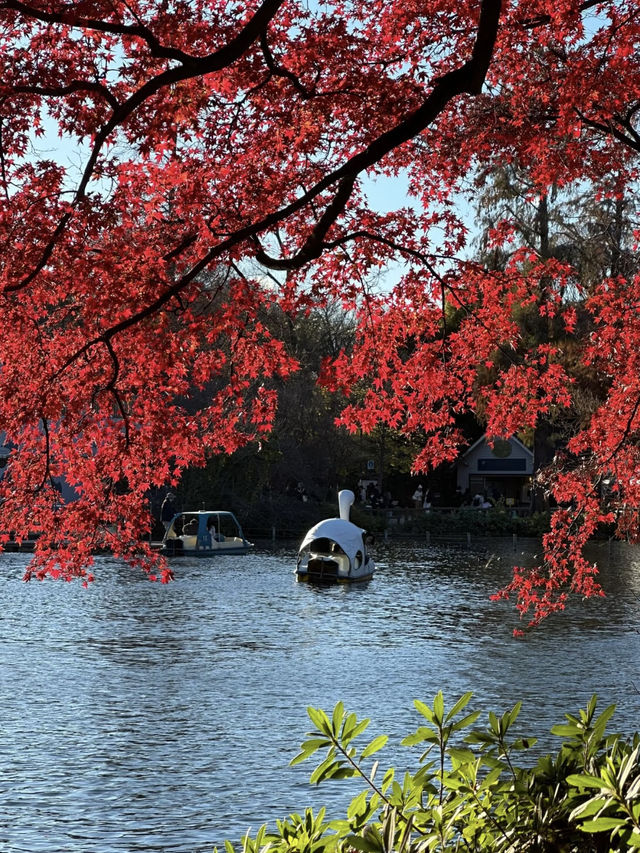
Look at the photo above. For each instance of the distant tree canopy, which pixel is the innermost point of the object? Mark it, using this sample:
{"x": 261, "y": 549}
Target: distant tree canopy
{"x": 144, "y": 145}
{"x": 305, "y": 444}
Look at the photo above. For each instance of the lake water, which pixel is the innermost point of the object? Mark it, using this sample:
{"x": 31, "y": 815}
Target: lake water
{"x": 142, "y": 717}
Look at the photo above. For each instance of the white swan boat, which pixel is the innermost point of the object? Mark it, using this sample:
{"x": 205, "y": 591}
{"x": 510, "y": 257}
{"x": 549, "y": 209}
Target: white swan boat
{"x": 204, "y": 533}
{"x": 335, "y": 550}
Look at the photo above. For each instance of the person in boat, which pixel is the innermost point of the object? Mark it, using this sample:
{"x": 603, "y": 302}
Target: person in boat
{"x": 191, "y": 527}
{"x": 211, "y": 530}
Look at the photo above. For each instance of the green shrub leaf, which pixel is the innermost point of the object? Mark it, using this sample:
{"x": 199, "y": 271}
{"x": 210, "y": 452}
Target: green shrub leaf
{"x": 581, "y": 780}
{"x": 602, "y": 824}
{"x": 375, "y": 745}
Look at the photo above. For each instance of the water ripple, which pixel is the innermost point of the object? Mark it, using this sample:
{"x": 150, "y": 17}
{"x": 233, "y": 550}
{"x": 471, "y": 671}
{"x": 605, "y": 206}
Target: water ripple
{"x": 141, "y": 717}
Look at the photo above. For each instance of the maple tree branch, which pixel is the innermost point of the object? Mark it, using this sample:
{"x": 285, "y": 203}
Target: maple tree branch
{"x": 279, "y": 71}
{"x": 47, "y": 457}
{"x": 112, "y": 388}
{"x": 424, "y": 259}
{"x": 70, "y": 17}
{"x": 313, "y": 246}
{"x": 74, "y": 86}
{"x": 181, "y": 247}
{"x": 225, "y": 55}
{"x": 215, "y": 61}
{"x": 443, "y": 311}
{"x": 468, "y": 78}
{"x": 626, "y": 432}
{"x": 609, "y": 129}
{"x": 385, "y": 241}
{"x": 542, "y": 20}
{"x": 626, "y": 122}
{"x": 3, "y": 164}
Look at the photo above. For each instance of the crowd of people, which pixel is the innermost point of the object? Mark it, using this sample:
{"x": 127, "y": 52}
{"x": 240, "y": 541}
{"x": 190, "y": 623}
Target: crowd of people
{"x": 425, "y": 498}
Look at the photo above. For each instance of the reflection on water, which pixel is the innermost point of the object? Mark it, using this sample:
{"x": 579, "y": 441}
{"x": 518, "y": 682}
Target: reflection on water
{"x": 139, "y": 717}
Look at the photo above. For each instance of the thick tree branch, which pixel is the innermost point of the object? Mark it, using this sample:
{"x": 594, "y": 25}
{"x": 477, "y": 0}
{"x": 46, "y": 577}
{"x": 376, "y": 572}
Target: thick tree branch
{"x": 279, "y": 71}
{"x": 70, "y": 17}
{"x": 313, "y": 246}
{"x": 210, "y": 62}
{"x": 468, "y": 78}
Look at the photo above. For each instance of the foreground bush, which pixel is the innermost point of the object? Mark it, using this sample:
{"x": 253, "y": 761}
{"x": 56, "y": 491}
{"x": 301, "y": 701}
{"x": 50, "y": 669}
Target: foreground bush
{"x": 469, "y": 792}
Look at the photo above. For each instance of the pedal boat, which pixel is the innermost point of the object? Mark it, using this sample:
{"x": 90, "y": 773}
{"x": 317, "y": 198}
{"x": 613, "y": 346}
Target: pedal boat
{"x": 204, "y": 533}
{"x": 335, "y": 550}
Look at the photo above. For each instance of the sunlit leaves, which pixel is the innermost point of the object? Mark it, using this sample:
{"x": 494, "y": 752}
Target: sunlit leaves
{"x": 475, "y": 795}
{"x": 339, "y": 732}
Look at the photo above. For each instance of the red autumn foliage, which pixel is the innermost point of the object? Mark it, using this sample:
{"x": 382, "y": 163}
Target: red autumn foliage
{"x": 209, "y": 143}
